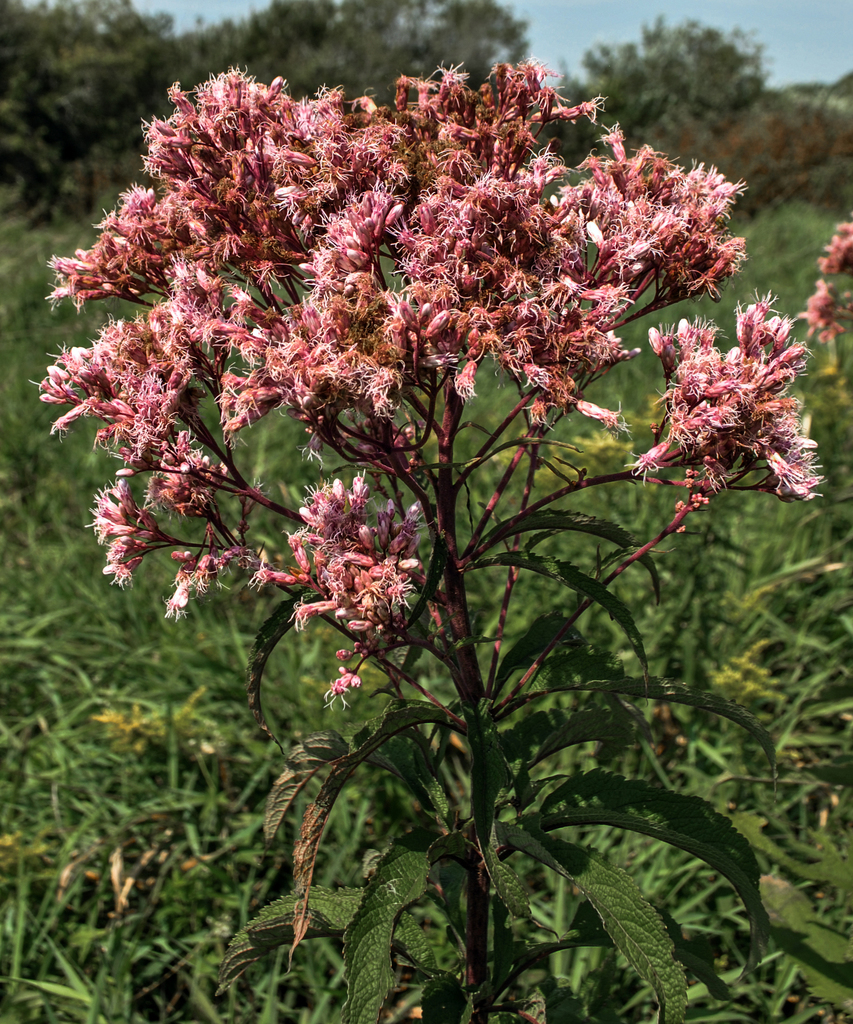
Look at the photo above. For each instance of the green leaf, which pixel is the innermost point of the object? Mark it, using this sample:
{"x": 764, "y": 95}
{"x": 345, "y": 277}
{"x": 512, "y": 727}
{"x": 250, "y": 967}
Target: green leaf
{"x": 586, "y": 930}
{"x": 444, "y": 1001}
{"x": 399, "y": 880}
{"x": 697, "y": 956}
{"x": 561, "y": 1004}
{"x": 503, "y": 943}
{"x": 52, "y": 988}
{"x": 597, "y": 986}
{"x": 550, "y": 521}
{"x": 818, "y": 949}
{"x": 635, "y": 927}
{"x": 571, "y": 728}
{"x": 273, "y": 629}
{"x": 528, "y": 648}
{"x": 489, "y": 775}
{"x": 553, "y": 675}
{"x": 453, "y": 844}
{"x": 837, "y": 772}
{"x": 557, "y": 521}
{"x": 411, "y": 943}
{"x": 570, "y": 576}
{"x": 409, "y": 759}
{"x": 433, "y": 577}
{"x": 398, "y": 716}
{"x": 453, "y": 878}
{"x": 489, "y": 772}
{"x": 688, "y": 822}
{"x": 330, "y": 913}
{"x": 533, "y": 1007}
{"x": 543, "y": 733}
{"x": 302, "y": 764}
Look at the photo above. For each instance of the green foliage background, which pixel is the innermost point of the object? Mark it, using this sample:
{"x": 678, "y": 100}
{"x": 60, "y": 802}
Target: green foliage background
{"x": 133, "y": 778}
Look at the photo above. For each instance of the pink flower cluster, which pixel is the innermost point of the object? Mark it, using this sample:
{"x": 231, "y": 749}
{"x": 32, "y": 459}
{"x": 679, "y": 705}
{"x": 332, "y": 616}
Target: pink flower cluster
{"x": 361, "y": 573}
{"x": 729, "y": 414}
{"x": 131, "y": 532}
{"x": 354, "y": 266}
{"x": 830, "y": 312}
{"x": 308, "y": 257}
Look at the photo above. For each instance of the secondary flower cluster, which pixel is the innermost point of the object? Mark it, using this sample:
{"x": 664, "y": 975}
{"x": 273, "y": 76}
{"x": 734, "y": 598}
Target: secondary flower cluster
{"x": 729, "y": 414}
{"x": 830, "y": 312}
{"x": 361, "y": 573}
{"x": 131, "y": 532}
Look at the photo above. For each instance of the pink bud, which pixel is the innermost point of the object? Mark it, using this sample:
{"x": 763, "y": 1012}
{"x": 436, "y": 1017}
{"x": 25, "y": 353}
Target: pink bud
{"x": 595, "y": 233}
{"x": 438, "y": 323}
{"x": 427, "y": 219}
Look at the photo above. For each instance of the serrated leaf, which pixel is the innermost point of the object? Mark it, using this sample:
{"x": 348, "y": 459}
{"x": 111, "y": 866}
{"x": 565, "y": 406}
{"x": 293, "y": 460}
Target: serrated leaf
{"x": 489, "y": 775}
{"x": 410, "y": 942}
{"x": 453, "y": 844}
{"x": 818, "y": 949}
{"x": 399, "y": 880}
{"x": 543, "y": 733}
{"x": 688, "y": 822}
{"x": 398, "y": 716}
{"x": 551, "y": 521}
{"x": 453, "y": 878}
{"x": 302, "y": 763}
{"x": 557, "y": 521}
{"x": 503, "y": 944}
{"x": 280, "y": 798}
{"x": 488, "y": 770}
{"x": 571, "y": 728}
{"x": 635, "y": 927}
{"x": 433, "y": 577}
{"x": 331, "y": 912}
{"x": 444, "y": 1001}
{"x": 697, "y": 956}
{"x": 837, "y": 772}
{"x": 551, "y": 679}
{"x": 572, "y": 577}
{"x": 534, "y": 1008}
{"x": 407, "y": 758}
{"x": 270, "y": 633}
{"x": 528, "y": 648}
{"x": 587, "y": 934}
{"x": 597, "y": 986}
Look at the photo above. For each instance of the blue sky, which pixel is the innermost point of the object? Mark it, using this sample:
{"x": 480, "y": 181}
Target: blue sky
{"x": 804, "y": 41}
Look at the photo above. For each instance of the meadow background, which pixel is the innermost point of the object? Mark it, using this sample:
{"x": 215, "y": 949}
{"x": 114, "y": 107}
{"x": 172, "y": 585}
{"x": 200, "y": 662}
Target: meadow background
{"x": 133, "y": 777}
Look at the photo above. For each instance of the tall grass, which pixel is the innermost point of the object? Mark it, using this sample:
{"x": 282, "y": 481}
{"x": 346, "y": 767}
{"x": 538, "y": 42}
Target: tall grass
{"x": 133, "y": 778}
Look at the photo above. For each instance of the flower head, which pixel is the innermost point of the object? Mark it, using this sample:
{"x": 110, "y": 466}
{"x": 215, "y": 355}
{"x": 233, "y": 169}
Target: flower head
{"x": 730, "y": 414}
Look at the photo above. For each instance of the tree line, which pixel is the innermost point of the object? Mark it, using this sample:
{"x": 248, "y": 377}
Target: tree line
{"x": 78, "y": 78}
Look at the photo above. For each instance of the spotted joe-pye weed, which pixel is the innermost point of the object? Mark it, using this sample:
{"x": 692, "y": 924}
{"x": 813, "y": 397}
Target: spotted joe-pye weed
{"x": 355, "y": 266}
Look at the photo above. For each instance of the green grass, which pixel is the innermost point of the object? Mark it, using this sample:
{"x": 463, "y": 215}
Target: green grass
{"x": 133, "y": 776}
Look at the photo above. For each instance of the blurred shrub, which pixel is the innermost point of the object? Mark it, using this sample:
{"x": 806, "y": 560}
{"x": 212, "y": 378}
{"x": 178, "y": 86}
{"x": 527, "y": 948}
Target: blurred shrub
{"x": 787, "y": 146}
{"x": 700, "y": 94}
{"x": 76, "y": 80}
{"x": 78, "y": 77}
{"x": 362, "y": 45}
